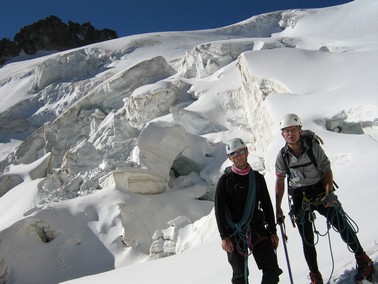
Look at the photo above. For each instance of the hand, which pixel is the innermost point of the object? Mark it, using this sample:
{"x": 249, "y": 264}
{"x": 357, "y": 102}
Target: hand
{"x": 329, "y": 200}
{"x": 279, "y": 215}
{"x": 274, "y": 239}
{"x": 328, "y": 204}
{"x": 227, "y": 245}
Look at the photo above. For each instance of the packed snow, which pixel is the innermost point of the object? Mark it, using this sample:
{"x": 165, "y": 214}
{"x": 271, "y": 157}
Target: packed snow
{"x": 110, "y": 153}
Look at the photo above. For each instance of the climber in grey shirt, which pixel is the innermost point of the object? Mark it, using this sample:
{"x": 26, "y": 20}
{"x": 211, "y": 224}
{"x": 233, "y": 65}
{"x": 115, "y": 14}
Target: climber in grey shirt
{"x": 310, "y": 187}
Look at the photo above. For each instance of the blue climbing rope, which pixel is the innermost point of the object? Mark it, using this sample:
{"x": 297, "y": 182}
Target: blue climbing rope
{"x": 346, "y": 223}
{"x": 241, "y": 230}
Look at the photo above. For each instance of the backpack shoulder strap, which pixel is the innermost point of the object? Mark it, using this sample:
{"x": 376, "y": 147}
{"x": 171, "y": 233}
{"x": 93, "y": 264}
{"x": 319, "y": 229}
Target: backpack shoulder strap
{"x": 229, "y": 180}
{"x": 309, "y": 141}
{"x": 227, "y": 170}
{"x": 285, "y": 158}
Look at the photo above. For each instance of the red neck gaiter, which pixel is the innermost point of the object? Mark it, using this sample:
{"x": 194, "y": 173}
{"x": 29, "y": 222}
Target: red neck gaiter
{"x": 241, "y": 172}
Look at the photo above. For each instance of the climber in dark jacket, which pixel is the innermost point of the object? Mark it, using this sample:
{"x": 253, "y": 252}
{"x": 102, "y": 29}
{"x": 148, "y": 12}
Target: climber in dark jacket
{"x": 245, "y": 217}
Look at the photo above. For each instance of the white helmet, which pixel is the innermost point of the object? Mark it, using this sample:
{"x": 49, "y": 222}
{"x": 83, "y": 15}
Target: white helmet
{"x": 234, "y": 145}
{"x": 290, "y": 119}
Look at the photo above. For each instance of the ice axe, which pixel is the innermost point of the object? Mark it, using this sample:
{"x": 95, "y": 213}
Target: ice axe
{"x": 280, "y": 221}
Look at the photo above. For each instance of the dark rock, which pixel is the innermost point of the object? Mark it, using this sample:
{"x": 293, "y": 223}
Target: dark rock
{"x": 8, "y": 49}
{"x": 53, "y": 35}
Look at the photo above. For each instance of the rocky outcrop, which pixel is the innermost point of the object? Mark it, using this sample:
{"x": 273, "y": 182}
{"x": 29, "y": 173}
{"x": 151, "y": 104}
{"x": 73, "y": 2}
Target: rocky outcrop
{"x": 8, "y": 49}
{"x": 54, "y": 35}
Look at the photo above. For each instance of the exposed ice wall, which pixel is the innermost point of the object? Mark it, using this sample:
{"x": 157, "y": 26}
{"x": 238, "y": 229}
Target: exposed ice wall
{"x": 254, "y": 92}
{"x": 70, "y": 66}
{"x": 208, "y": 58}
{"x": 358, "y": 120}
{"x": 103, "y": 130}
{"x": 83, "y": 119}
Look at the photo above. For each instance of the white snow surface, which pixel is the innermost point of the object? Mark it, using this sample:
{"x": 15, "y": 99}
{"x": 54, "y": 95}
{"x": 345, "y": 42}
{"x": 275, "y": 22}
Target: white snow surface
{"x": 110, "y": 153}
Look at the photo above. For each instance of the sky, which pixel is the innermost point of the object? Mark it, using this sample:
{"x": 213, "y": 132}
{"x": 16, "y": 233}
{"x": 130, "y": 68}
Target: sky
{"x": 143, "y": 16}
{"x": 228, "y": 85}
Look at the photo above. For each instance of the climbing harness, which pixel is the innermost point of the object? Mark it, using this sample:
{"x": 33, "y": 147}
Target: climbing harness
{"x": 241, "y": 230}
{"x": 335, "y": 216}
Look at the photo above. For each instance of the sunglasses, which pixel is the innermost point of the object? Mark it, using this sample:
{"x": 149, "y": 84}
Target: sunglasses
{"x": 238, "y": 153}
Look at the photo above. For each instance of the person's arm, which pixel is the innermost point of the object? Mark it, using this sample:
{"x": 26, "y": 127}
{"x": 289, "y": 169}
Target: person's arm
{"x": 280, "y": 184}
{"x": 328, "y": 181}
{"x": 220, "y": 207}
{"x": 329, "y": 201}
{"x": 325, "y": 167}
{"x": 220, "y": 214}
{"x": 267, "y": 207}
{"x": 280, "y": 190}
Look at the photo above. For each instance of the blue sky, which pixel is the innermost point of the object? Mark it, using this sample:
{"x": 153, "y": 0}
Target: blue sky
{"x": 142, "y": 16}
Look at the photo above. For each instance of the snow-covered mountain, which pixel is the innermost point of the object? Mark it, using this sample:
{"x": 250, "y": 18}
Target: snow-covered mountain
{"x": 110, "y": 153}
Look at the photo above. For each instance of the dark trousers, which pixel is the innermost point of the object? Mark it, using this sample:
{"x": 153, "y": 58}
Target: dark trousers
{"x": 266, "y": 260}
{"x": 337, "y": 221}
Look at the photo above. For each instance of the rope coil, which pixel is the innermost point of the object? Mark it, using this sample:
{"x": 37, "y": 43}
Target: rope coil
{"x": 344, "y": 221}
{"x": 242, "y": 230}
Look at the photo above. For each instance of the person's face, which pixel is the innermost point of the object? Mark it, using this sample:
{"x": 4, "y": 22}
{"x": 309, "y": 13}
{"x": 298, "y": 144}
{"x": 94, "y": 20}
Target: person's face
{"x": 239, "y": 158}
{"x": 291, "y": 134}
